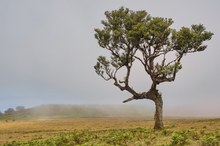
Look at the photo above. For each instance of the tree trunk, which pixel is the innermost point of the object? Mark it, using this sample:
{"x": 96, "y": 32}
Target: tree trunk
{"x": 158, "y": 117}
{"x": 155, "y": 96}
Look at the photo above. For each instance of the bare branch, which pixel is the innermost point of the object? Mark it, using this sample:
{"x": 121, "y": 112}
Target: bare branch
{"x": 129, "y": 99}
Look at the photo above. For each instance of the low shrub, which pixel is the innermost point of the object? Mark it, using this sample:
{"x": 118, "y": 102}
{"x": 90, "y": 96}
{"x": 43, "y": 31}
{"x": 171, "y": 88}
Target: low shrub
{"x": 180, "y": 138}
{"x": 209, "y": 140}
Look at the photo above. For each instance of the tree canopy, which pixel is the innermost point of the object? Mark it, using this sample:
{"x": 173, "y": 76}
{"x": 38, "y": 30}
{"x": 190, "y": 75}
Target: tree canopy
{"x": 135, "y": 35}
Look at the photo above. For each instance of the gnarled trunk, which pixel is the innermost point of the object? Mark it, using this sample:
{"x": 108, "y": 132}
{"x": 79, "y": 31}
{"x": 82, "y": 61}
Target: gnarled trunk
{"x": 158, "y": 117}
{"x": 155, "y": 96}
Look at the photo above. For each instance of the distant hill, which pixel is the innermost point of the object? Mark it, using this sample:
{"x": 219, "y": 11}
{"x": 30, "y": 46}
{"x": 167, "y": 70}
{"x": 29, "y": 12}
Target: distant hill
{"x": 77, "y": 111}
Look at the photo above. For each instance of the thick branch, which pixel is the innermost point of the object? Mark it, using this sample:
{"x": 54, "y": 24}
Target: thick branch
{"x": 151, "y": 94}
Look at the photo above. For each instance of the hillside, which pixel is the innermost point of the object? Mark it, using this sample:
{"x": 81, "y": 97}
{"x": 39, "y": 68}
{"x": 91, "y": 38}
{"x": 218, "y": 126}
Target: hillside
{"x": 74, "y": 111}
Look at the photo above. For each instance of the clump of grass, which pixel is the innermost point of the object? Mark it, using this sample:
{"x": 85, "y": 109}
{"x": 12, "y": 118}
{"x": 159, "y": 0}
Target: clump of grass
{"x": 209, "y": 140}
{"x": 180, "y": 138}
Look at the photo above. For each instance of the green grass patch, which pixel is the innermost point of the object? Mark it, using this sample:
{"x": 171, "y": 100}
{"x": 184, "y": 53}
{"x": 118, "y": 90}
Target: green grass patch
{"x": 124, "y": 137}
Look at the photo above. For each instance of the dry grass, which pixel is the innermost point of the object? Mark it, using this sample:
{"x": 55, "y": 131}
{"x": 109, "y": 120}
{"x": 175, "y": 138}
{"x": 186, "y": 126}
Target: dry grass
{"x": 27, "y": 130}
{"x": 35, "y": 129}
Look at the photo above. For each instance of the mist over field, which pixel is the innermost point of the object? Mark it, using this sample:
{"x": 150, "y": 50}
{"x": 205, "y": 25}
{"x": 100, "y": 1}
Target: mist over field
{"x": 59, "y": 111}
{"x": 123, "y": 110}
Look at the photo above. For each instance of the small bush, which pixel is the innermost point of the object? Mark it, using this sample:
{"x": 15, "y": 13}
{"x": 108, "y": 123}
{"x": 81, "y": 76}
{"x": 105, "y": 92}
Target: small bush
{"x": 209, "y": 140}
{"x": 180, "y": 138}
{"x": 195, "y": 135}
{"x": 166, "y": 132}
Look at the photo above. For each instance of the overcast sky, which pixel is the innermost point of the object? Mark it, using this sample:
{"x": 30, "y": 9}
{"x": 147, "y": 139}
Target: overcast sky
{"x": 48, "y": 50}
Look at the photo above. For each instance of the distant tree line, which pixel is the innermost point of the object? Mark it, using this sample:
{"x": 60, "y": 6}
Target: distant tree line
{"x": 11, "y": 111}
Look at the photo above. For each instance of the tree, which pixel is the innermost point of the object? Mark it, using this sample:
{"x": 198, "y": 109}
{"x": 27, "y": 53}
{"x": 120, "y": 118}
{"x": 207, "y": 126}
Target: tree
{"x": 20, "y": 108}
{"x": 135, "y": 36}
{"x": 10, "y": 111}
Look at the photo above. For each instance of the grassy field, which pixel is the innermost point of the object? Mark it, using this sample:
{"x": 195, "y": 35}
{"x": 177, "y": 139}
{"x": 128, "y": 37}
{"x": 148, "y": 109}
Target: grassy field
{"x": 109, "y": 131}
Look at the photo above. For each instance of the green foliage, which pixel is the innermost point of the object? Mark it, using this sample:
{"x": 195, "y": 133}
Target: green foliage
{"x": 180, "y": 138}
{"x": 166, "y": 71}
{"x": 195, "y": 135}
{"x": 102, "y": 66}
{"x": 124, "y": 137}
{"x": 209, "y": 140}
{"x": 189, "y": 40}
{"x": 116, "y": 137}
{"x": 135, "y": 35}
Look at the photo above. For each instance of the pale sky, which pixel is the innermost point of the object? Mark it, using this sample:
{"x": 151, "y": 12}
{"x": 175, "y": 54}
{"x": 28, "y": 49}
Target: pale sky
{"x": 48, "y": 50}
